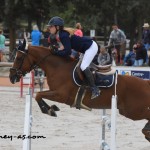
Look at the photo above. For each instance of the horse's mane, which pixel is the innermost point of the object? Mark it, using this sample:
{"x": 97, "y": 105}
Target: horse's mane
{"x": 38, "y": 48}
{"x": 44, "y": 51}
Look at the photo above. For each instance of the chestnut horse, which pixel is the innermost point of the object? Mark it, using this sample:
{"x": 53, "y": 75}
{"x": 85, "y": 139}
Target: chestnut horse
{"x": 133, "y": 93}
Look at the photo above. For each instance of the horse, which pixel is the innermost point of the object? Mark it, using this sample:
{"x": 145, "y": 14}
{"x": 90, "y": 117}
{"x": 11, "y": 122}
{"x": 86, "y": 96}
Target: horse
{"x": 133, "y": 93}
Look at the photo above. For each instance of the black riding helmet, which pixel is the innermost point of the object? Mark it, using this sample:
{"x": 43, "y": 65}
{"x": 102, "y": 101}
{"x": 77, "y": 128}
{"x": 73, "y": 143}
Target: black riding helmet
{"x": 56, "y": 21}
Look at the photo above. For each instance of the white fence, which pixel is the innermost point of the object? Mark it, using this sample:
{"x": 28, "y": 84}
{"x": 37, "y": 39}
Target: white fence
{"x": 111, "y": 124}
{"x": 28, "y": 121}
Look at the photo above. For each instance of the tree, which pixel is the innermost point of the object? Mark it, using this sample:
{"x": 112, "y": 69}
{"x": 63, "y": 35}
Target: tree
{"x": 22, "y": 10}
{"x": 98, "y": 14}
{"x": 37, "y": 11}
{"x": 12, "y": 14}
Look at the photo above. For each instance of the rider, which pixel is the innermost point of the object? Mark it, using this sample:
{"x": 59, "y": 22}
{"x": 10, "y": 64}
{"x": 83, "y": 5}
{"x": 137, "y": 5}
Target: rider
{"x": 80, "y": 44}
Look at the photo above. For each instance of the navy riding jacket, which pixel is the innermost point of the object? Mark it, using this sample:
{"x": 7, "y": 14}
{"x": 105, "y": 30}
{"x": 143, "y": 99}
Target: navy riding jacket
{"x": 80, "y": 44}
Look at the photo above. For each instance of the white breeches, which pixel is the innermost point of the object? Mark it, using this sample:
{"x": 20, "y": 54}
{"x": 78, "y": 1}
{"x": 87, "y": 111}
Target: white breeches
{"x": 89, "y": 56}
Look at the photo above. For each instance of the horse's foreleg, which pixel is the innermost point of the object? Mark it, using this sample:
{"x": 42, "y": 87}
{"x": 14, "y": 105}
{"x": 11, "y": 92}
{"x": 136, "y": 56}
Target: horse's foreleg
{"x": 146, "y": 131}
{"x": 45, "y": 108}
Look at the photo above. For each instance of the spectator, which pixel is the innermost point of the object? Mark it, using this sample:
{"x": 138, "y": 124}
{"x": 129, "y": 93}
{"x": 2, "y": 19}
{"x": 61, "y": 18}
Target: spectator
{"x": 46, "y": 35}
{"x": 129, "y": 59}
{"x": 35, "y": 36}
{"x": 103, "y": 57}
{"x": 136, "y": 34}
{"x": 140, "y": 58}
{"x": 78, "y": 30}
{"x": 146, "y": 38}
{"x": 2, "y": 44}
{"x": 123, "y": 50}
{"x": 19, "y": 34}
{"x": 117, "y": 39}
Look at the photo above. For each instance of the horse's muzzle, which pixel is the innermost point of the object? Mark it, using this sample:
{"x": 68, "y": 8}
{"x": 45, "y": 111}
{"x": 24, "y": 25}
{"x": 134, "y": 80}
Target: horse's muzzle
{"x": 14, "y": 77}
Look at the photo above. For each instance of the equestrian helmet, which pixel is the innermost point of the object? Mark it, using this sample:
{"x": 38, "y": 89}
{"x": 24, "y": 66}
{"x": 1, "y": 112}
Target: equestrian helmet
{"x": 56, "y": 21}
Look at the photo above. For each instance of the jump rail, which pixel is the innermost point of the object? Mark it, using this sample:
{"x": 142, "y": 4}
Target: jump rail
{"x": 111, "y": 124}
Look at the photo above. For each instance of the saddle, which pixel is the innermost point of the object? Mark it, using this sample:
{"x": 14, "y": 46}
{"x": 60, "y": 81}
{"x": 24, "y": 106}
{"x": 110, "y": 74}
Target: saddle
{"x": 104, "y": 77}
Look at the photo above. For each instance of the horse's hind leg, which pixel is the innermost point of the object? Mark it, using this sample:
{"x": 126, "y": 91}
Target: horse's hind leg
{"x": 146, "y": 131}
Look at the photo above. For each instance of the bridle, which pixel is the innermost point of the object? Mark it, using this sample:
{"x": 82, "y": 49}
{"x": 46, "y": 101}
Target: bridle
{"x": 19, "y": 71}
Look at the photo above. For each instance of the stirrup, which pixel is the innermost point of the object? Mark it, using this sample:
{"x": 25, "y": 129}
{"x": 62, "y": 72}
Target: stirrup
{"x": 95, "y": 93}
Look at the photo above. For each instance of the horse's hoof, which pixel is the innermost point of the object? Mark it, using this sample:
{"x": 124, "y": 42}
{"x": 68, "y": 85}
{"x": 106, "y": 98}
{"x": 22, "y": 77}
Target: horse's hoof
{"x": 52, "y": 112}
{"x": 55, "y": 108}
{"x": 146, "y": 132}
{"x": 147, "y": 138}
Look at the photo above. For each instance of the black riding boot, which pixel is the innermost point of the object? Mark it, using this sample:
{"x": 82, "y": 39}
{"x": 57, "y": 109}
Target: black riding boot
{"x": 95, "y": 90}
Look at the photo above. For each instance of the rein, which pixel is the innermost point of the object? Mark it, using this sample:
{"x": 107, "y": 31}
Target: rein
{"x": 37, "y": 64}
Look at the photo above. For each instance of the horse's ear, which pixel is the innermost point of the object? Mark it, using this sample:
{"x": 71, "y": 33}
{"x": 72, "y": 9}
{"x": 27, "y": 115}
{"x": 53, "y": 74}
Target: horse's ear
{"x": 24, "y": 45}
{"x": 19, "y": 45}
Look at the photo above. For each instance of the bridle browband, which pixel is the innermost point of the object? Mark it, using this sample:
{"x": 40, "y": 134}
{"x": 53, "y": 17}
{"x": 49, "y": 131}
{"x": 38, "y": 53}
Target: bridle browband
{"x": 19, "y": 71}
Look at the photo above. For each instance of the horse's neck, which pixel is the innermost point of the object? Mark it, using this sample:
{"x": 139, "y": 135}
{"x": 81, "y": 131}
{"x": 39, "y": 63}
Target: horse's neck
{"x": 38, "y": 54}
{"x": 57, "y": 63}
{"x": 58, "y": 72}
{"x": 48, "y": 62}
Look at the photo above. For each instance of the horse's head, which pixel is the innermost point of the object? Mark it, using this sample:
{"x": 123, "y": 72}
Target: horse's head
{"x": 22, "y": 64}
